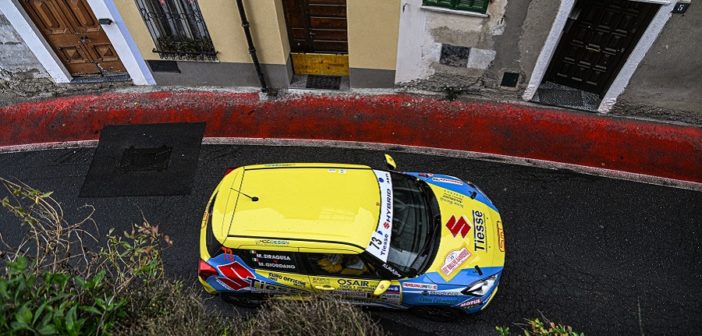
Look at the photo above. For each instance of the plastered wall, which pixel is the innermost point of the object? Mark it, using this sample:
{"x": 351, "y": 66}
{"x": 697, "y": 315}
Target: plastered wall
{"x": 373, "y": 28}
{"x": 224, "y": 25}
{"x": 423, "y": 32}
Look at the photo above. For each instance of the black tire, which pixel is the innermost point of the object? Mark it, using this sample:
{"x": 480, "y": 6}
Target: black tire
{"x": 242, "y": 300}
{"x": 437, "y": 314}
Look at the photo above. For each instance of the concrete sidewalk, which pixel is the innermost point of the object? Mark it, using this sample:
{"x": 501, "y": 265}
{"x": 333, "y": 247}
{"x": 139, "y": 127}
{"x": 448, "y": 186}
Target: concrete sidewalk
{"x": 603, "y": 145}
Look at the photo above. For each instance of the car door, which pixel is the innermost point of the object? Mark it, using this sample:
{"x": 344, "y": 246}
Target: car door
{"x": 350, "y": 278}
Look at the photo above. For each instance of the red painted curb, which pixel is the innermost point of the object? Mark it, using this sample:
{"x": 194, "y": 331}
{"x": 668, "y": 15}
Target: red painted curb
{"x": 649, "y": 148}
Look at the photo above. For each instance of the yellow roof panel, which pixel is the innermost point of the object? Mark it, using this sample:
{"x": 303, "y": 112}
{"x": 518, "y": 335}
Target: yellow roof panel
{"x": 304, "y": 201}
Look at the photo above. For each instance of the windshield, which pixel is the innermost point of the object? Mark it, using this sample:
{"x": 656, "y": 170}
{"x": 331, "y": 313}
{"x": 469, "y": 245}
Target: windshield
{"x": 412, "y": 223}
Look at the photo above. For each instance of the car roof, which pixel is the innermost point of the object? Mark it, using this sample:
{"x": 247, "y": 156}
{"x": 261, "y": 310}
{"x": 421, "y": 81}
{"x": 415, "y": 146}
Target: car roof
{"x": 304, "y": 205}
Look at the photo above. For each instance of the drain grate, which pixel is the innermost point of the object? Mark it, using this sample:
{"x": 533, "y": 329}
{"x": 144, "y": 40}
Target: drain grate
{"x": 510, "y": 79}
{"x": 323, "y": 82}
{"x": 145, "y": 159}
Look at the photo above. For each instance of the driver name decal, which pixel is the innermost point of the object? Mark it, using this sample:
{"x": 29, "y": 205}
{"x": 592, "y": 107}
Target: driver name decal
{"x": 380, "y": 240}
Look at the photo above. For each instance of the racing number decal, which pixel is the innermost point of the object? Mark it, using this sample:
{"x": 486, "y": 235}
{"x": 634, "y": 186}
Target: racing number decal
{"x": 375, "y": 242}
{"x": 235, "y": 276}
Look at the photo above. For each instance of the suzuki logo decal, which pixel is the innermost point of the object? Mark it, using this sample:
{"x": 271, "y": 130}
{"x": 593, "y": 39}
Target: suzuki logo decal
{"x": 235, "y": 276}
{"x": 458, "y": 226}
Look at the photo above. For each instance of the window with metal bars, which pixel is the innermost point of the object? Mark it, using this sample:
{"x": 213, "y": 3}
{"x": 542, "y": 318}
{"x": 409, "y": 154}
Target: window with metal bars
{"x": 178, "y": 29}
{"x": 478, "y": 6}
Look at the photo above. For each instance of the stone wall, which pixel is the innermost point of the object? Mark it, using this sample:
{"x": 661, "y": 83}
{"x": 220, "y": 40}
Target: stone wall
{"x": 668, "y": 82}
{"x": 21, "y": 74}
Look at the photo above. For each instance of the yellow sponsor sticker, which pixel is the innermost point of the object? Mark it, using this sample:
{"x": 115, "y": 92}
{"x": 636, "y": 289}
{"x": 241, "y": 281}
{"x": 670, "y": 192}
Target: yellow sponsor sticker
{"x": 500, "y": 236}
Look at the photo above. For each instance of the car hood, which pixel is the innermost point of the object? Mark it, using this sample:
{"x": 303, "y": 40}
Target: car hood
{"x": 471, "y": 231}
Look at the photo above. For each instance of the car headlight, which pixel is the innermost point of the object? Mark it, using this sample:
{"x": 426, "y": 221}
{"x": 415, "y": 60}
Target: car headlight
{"x": 480, "y": 288}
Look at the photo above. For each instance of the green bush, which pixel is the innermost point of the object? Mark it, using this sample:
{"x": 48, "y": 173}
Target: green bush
{"x": 536, "y": 327}
{"x": 50, "y": 303}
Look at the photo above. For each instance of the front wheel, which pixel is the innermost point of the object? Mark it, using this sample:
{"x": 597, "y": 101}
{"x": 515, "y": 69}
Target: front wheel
{"x": 437, "y": 314}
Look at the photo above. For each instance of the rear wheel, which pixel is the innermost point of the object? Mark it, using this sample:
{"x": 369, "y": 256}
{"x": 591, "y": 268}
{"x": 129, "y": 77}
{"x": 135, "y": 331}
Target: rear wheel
{"x": 438, "y": 314}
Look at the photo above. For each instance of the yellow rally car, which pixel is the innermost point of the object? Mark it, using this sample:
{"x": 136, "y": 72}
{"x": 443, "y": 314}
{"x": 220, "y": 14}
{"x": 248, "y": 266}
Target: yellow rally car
{"x": 372, "y": 237}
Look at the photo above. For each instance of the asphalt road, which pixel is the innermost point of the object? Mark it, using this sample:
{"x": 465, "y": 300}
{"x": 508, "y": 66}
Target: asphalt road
{"x": 609, "y": 257}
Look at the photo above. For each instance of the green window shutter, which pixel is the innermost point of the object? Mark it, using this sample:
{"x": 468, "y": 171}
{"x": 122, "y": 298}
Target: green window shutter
{"x": 439, "y": 3}
{"x": 479, "y": 6}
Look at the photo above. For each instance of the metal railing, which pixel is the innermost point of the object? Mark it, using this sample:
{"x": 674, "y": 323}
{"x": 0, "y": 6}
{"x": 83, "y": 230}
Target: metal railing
{"x": 178, "y": 29}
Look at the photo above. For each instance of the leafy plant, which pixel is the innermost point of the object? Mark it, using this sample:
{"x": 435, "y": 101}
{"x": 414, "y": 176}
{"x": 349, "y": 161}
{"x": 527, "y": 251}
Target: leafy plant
{"x": 49, "y": 303}
{"x": 537, "y": 327}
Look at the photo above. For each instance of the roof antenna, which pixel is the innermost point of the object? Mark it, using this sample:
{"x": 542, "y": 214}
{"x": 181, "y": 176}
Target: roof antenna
{"x": 253, "y": 199}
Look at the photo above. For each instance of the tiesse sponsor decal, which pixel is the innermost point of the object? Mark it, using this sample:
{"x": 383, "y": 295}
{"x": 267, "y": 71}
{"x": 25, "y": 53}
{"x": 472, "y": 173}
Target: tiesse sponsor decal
{"x": 447, "y": 180}
{"x": 454, "y": 260}
{"x": 421, "y": 286}
{"x": 380, "y": 240}
{"x": 479, "y": 232}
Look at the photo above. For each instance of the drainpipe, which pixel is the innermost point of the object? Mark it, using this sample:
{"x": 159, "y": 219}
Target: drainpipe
{"x": 252, "y": 50}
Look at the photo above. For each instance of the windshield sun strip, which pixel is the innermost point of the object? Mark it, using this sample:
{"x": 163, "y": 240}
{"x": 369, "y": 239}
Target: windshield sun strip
{"x": 379, "y": 244}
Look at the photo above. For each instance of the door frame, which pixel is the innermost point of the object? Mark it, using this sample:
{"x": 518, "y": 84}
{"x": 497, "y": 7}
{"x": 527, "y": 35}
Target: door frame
{"x": 622, "y": 78}
{"x": 116, "y": 32}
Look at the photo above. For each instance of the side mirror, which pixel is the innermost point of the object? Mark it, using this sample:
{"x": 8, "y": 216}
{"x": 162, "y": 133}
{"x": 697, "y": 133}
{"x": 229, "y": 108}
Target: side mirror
{"x": 382, "y": 287}
{"x": 390, "y": 162}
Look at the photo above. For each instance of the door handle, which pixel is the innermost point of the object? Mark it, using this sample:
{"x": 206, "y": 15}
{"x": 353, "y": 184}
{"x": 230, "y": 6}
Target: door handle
{"x": 325, "y": 288}
{"x": 83, "y": 40}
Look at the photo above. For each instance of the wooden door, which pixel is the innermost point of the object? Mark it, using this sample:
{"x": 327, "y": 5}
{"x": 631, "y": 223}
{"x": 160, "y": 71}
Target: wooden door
{"x": 598, "y": 38}
{"x": 316, "y": 26}
{"x": 74, "y": 33}
{"x": 318, "y": 36}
